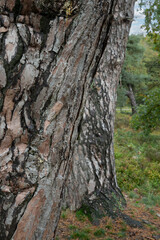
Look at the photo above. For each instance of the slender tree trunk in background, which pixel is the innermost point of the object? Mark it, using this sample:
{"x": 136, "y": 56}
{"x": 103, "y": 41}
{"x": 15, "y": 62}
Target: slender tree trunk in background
{"x": 59, "y": 66}
{"x": 130, "y": 95}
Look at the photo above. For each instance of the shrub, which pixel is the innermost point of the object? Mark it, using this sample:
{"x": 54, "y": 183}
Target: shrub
{"x": 148, "y": 114}
{"x": 137, "y": 161}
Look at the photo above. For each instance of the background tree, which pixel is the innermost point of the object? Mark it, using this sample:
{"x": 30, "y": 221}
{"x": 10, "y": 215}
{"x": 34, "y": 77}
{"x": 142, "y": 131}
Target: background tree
{"x": 152, "y": 63}
{"x": 133, "y": 73}
{"x": 152, "y": 20}
{"x": 148, "y": 115}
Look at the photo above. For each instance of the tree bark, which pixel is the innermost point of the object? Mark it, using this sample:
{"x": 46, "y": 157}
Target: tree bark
{"x": 130, "y": 95}
{"x": 59, "y": 67}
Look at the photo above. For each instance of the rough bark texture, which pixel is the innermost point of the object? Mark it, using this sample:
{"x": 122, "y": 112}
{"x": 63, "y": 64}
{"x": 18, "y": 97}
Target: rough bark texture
{"x": 59, "y": 66}
{"x": 130, "y": 95}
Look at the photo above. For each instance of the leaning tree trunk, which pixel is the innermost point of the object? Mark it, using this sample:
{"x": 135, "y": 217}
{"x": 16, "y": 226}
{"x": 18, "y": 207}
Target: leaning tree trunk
{"x": 59, "y": 66}
{"x": 130, "y": 95}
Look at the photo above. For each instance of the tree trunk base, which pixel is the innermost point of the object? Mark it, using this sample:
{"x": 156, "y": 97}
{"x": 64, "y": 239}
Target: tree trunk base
{"x": 107, "y": 203}
{"x": 103, "y": 203}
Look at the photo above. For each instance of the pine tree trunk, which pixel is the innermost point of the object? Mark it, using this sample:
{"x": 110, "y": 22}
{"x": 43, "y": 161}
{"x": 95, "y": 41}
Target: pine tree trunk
{"x": 130, "y": 95}
{"x": 59, "y": 67}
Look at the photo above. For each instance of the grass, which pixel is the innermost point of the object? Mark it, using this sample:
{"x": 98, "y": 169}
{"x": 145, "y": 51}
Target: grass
{"x": 99, "y": 233}
{"x": 72, "y": 227}
{"x": 151, "y": 200}
{"x": 153, "y": 228}
{"x": 108, "y": 226}
{"x": 64, "y": 215}
{"x": 83, "y": 213}
{"x": 122, "y": 234}
{"x": 137, "y": 161}
{"x": 81, "y": 234}
{"x": 133, "y": 195}
{"x": 80, "y": 215}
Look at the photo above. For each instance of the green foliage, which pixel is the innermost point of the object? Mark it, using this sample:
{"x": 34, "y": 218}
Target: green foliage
{"x": 133, "y": 195}
{"x": 83, "y": 212}
{"x": 152, "y": 20}
{"x": 121, "y": 121}
{"x": 133, "y": 67}
{"x": 80, "y": 234}
{"x": 134, "y": 74}
{"x": 64, "y": 214}
{"x": 153, "y": 69}
{"x": 80, "y": 215}
{"x": 153, "y": 154}
{"x": 109, "y": 226}
{"x": 152, "y": 227}
{"x": 148, "y": 114}
{"x": 68, "y": 8}
{"x": 141, "y": 70}
{"x": 99, "y": 233}
{"x": 134, "y": 53}
{"x": 124, "y": 226}
{"x": 152, "y": 64}
{"x": 137, "y": 161}
{"x": 122, "y": 98}
{"x": 122, "y": 233}
{"x": 151, "y": 200}
{"x": 72, "y": 227}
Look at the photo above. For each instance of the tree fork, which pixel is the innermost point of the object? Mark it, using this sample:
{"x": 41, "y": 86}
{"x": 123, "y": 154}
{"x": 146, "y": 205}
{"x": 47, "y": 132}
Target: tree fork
{"x": 59, "y": 67}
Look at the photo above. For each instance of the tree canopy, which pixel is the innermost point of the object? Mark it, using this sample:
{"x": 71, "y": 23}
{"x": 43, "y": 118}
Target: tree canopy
{"x": 140, "y": 78}
{"x": 152, "y": 20}
{"x": 134, "y": 74}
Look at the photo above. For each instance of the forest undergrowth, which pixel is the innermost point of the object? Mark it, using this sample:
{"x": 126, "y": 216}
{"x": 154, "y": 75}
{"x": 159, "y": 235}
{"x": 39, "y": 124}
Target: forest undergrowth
{"x": 138, "y": 175}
